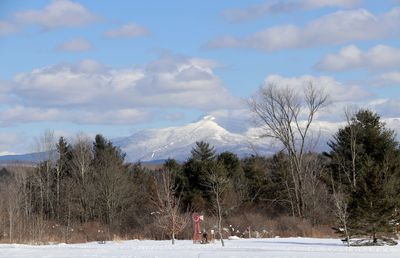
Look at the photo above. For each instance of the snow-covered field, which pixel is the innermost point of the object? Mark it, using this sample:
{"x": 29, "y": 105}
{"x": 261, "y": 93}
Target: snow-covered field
{"x": 243, "y": 248}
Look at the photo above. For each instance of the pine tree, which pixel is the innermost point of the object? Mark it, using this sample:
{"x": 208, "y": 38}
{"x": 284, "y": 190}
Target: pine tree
{"x": 111, "y": 180}
{"x": 235, "y": 173}
{"x": 372, "y": 185}
{"x": 195, "y": 169}
{"x": 64, "y": 151}
{"x": 62, "y": 171}
{"x": 203, "y": 151}
{"x": 372, "y": 208}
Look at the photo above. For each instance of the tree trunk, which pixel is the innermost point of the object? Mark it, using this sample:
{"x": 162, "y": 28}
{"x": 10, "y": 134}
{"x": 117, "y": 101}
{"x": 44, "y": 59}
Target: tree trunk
{"x": 220, "y": 221}
{"x": 10, "y": 215}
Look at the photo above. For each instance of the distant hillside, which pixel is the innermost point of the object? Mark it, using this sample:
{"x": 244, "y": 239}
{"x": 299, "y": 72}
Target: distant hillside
{"x": 154, "y": 146}
{"x": 28, "y": 159}
{"x": 177, "y": 142}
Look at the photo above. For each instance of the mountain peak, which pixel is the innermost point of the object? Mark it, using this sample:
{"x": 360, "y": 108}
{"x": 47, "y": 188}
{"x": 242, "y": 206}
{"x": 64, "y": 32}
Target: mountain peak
{"x": 207, "y": 125}
{"x": 208, "y": 118}
{"x": 177, "y": 142}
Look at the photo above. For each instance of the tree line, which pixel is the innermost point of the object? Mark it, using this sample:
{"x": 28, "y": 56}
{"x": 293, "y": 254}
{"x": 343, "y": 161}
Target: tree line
{"x": 85, "y": 191}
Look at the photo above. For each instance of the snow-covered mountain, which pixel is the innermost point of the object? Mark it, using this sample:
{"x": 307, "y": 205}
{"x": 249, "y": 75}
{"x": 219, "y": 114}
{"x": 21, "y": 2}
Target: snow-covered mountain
{"x": 177, "y": 142}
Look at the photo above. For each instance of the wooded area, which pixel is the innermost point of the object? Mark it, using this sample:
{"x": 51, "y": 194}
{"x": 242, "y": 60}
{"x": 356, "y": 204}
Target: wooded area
{"x": 85, "y": 191}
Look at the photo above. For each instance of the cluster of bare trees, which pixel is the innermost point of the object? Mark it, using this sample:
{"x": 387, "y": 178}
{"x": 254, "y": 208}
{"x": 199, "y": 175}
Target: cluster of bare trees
{"x": 83, "y": 191}
{"x": 18, "y": 218}
{"x": 286, "y": 114}
{"x": 72, "y": 184}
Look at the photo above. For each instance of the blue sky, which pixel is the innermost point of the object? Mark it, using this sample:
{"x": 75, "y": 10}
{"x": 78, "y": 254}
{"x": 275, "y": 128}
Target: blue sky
{"x": 116, "y": 67}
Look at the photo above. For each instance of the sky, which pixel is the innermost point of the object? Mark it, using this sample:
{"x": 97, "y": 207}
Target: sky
{"x": 117, "y": 67}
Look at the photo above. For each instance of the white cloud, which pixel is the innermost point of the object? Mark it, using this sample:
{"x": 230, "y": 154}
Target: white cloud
{"x": 235, "y": 120}
{"x": 75, "y": 45}
{"x": 330, "y": 3}
{"x": 337, "y": 91}
{"x": 351, "y": 57}
{"x": 332, "y": 29}
{"x": 23, "y": 114}
{"x": 7, "y": 28}
{"x": 5, "y": 153}
{"x": 5, "y": 89}
{"x": 89, "y": 92}
{"x": 277, "y": 7}
{"x": 174, "y": 116}
{"x": 9, "y": 141}
{"x": 130, "y": 30}
{"x": 386, "y": 107}
{"x": 119, "y": 116}
{"x": 89, "y": 66}
{"x": 27, "y": 114}
{"x": 59, "y": 13}
{"x": 62, "y": 85}
{"x": 342, "y": 95}
{"x": 327, "y": 121}
{"x": 390, "y": 78}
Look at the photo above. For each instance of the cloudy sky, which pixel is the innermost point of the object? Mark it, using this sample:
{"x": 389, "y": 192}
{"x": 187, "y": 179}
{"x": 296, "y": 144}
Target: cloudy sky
{"x": 116, "y": 67}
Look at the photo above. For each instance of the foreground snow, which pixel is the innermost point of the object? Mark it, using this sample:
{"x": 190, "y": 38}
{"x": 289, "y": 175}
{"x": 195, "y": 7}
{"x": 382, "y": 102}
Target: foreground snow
{"x": 277, "y": 247}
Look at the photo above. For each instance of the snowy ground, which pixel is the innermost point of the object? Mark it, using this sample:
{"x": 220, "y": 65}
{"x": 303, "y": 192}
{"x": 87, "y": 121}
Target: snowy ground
{"x": 243, "y": 248}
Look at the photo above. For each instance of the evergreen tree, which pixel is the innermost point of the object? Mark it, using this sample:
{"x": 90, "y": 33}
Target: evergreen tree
{"x": 231, "y": 163}
{"x": 235, "y": 173}
{"x": 4, "y": 173}
{"x": 172, "y": 164}
{"x": 255, "y": 169}
{"x": 137, "y": 213}
{"x": 268, "y": 182}
{"x": 64, "y": 151}
{"x": 62, "y": 173}
{"x": 372, "y": 208}
{"x": 195, "y": 170}
{"x": 180, "y": 180}
{"x": 373, "y": 191}
{"x": 111, "y": 180}
{"x": 203, "y": 152}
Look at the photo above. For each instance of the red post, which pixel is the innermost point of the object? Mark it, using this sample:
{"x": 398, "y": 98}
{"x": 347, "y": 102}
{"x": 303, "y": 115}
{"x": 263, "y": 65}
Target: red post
{"x": 197, "y": 235}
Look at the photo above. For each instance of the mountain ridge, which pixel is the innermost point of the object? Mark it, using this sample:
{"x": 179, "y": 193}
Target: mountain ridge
{"x": 176, "y": 142}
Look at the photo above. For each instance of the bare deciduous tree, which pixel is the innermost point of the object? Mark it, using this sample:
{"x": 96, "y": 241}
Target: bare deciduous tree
{"x": 286, "y": 116}
{"x": 349, "y": 134}
{"x": 217, "y": 183}
{"x": 317, "y": 197}
{"x": 80, "y": 168}
{"x": 113, "y": 189}
{"x": 45, "y": 150}
{"x": 353, "y": 131}
{"x": 340, "y": 200}
{"x": 167, "y": 202}
{"x": 341, "y": 210}
{"x": 10, "y": 195}
{"x": 61, "y": 167}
